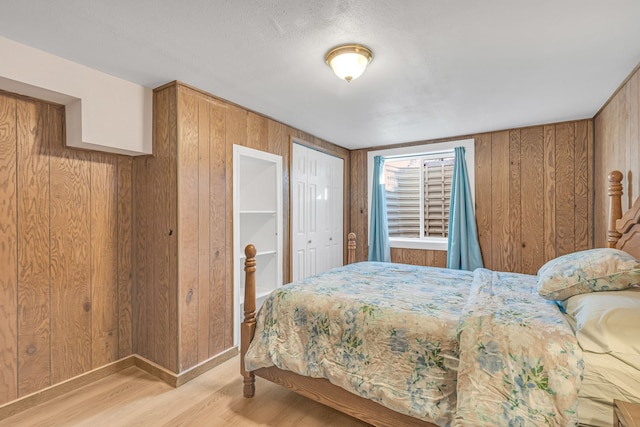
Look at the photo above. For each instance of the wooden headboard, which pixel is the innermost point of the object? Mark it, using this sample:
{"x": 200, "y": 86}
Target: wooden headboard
{"x": 624, "y": 230}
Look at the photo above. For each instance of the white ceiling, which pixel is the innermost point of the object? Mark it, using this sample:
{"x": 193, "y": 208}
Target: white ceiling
{"x": 441, "y": 67}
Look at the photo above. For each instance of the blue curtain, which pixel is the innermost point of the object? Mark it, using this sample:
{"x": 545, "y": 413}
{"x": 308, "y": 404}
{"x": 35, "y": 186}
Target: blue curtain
{"x": 463, "y": 249}
{"x": 379, "y": 233}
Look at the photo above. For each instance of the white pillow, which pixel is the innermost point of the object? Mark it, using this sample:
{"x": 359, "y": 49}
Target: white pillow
{"x": 607, "y": 322}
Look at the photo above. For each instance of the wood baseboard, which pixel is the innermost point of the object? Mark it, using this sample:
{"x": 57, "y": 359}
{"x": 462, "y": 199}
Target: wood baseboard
{"x": 203, "y": 367}
{"x": 175, "y": 380}
{"x": 46, "y": 394}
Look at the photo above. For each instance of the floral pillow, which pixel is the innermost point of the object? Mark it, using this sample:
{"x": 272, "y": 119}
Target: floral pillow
{"x": 594, "y": 270}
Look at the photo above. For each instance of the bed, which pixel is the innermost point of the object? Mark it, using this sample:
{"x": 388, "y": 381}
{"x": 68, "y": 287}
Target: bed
{"x": 398, "y": 345}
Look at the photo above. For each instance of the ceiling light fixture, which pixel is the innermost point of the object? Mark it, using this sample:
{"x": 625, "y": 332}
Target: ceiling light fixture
{"x": 349, "y": 61}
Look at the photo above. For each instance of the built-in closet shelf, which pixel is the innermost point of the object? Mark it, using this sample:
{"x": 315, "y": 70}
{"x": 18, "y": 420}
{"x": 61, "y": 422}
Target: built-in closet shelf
{"x": 257, "y": 220}
{"x": 258, "y": 212}
{"x": 260, "y": 254}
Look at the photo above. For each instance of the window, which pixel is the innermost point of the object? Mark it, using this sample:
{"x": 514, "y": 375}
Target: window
{"x": 418, "y": 191}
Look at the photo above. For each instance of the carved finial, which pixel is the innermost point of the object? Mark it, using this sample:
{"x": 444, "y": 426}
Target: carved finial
{"x": 615, "y": 176}
{"x": 351, "y": 248}
{"x": 615, "y": 183}
{"x": 615, "y": 207}
{"x": 250, "y": 251}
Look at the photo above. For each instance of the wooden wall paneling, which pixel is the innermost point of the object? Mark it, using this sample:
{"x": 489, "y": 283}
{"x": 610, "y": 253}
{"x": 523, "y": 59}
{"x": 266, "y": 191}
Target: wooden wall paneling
{"x": 500, "y": 225}
{"x": 171, "y": 179}
{"x": 236, "y": 133}
{"x": 204, "y": 214}
{"x": 581, "y": 187}
{"x": 413, "y": 256}
{"x": 532, "y": 198}
{"x": 257, "y": 132}
{"x": 599, "y": 160}
{"x": 483, "y": 210}
{"x": 633, "y": 148}
{"x": 8, "y": 251}
{"x": 278, "y": 141}
{"x": 71, "y": 305}
{"x": 550, "y": 248}
{"x": 104, "y": 259}
{"x": 396, "y": 255}
{"x": 34, "y": 296}
{"x": 565, "y": 187}
{"x": 142, "y": 304}
{"x": 440, "y": 259}
{"x": 124, "y": 255}
{"x": 161, "y": 233}
{"x": 359, "y": 202}
{"x": 515, "y": 207}
{"x": 429, "y": 258}
{"x": 590, "y": 183}
{"x": 188, "y": 225}
{"x": 345, "y": 155}
{"x": 220, "y": 230}
{"x": 623, "y": 136}
{"x": 346, "y": 203}
{"x": 170, "y": 223}
{"x": 614, "y": 153}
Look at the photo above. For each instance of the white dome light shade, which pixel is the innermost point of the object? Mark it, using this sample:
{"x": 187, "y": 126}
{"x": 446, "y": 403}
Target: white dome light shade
{"x": 349, "y": 61}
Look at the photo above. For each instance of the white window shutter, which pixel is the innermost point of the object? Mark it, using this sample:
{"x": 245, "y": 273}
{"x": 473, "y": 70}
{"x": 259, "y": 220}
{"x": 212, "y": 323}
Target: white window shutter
{"x": 403, "y": 200}
{"x": 405, "y": 193}
{"x": 438, "y": 174}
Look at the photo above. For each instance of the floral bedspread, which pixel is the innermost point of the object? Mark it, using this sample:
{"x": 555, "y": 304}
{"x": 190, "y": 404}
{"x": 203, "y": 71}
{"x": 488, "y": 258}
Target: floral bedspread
{"x": 520, "y": 363}
{"x": 393, "y": 333}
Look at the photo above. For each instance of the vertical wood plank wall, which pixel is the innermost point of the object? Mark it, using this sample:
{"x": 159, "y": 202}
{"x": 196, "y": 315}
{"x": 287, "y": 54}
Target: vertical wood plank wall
{"x": 183, "y": 222}
{"x": 65, "y": 239}
{"x": 617, "y": 147}
{"x": 533, "y": 197}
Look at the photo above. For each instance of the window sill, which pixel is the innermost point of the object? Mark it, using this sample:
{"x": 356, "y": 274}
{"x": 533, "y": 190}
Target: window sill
{"x": 433, "y": 243}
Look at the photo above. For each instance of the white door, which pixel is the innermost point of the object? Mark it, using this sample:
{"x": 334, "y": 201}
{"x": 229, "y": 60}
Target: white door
{"x": 316, "y": 210}
{"x": 299, "y": 211}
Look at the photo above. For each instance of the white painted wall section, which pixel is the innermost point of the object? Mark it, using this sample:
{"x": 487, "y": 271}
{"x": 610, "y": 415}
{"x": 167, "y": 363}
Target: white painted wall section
{"x": 103, "y": 112}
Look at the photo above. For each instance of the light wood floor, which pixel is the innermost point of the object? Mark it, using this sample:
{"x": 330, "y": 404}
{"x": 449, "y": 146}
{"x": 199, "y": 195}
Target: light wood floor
{"x": 132, "y": 397}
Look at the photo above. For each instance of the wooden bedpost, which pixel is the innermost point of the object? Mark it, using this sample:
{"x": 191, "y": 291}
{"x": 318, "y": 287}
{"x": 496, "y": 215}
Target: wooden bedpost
{"x": 248, "y": 327}
{"x": 615, "y": 207}
{"x": 351, "y": 248}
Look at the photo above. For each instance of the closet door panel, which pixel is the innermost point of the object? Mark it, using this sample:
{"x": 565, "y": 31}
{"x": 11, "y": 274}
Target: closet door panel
{"x": 317, "y": 211}
{"x": 314, "y": 215}
{"x": 298, "y": 216}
